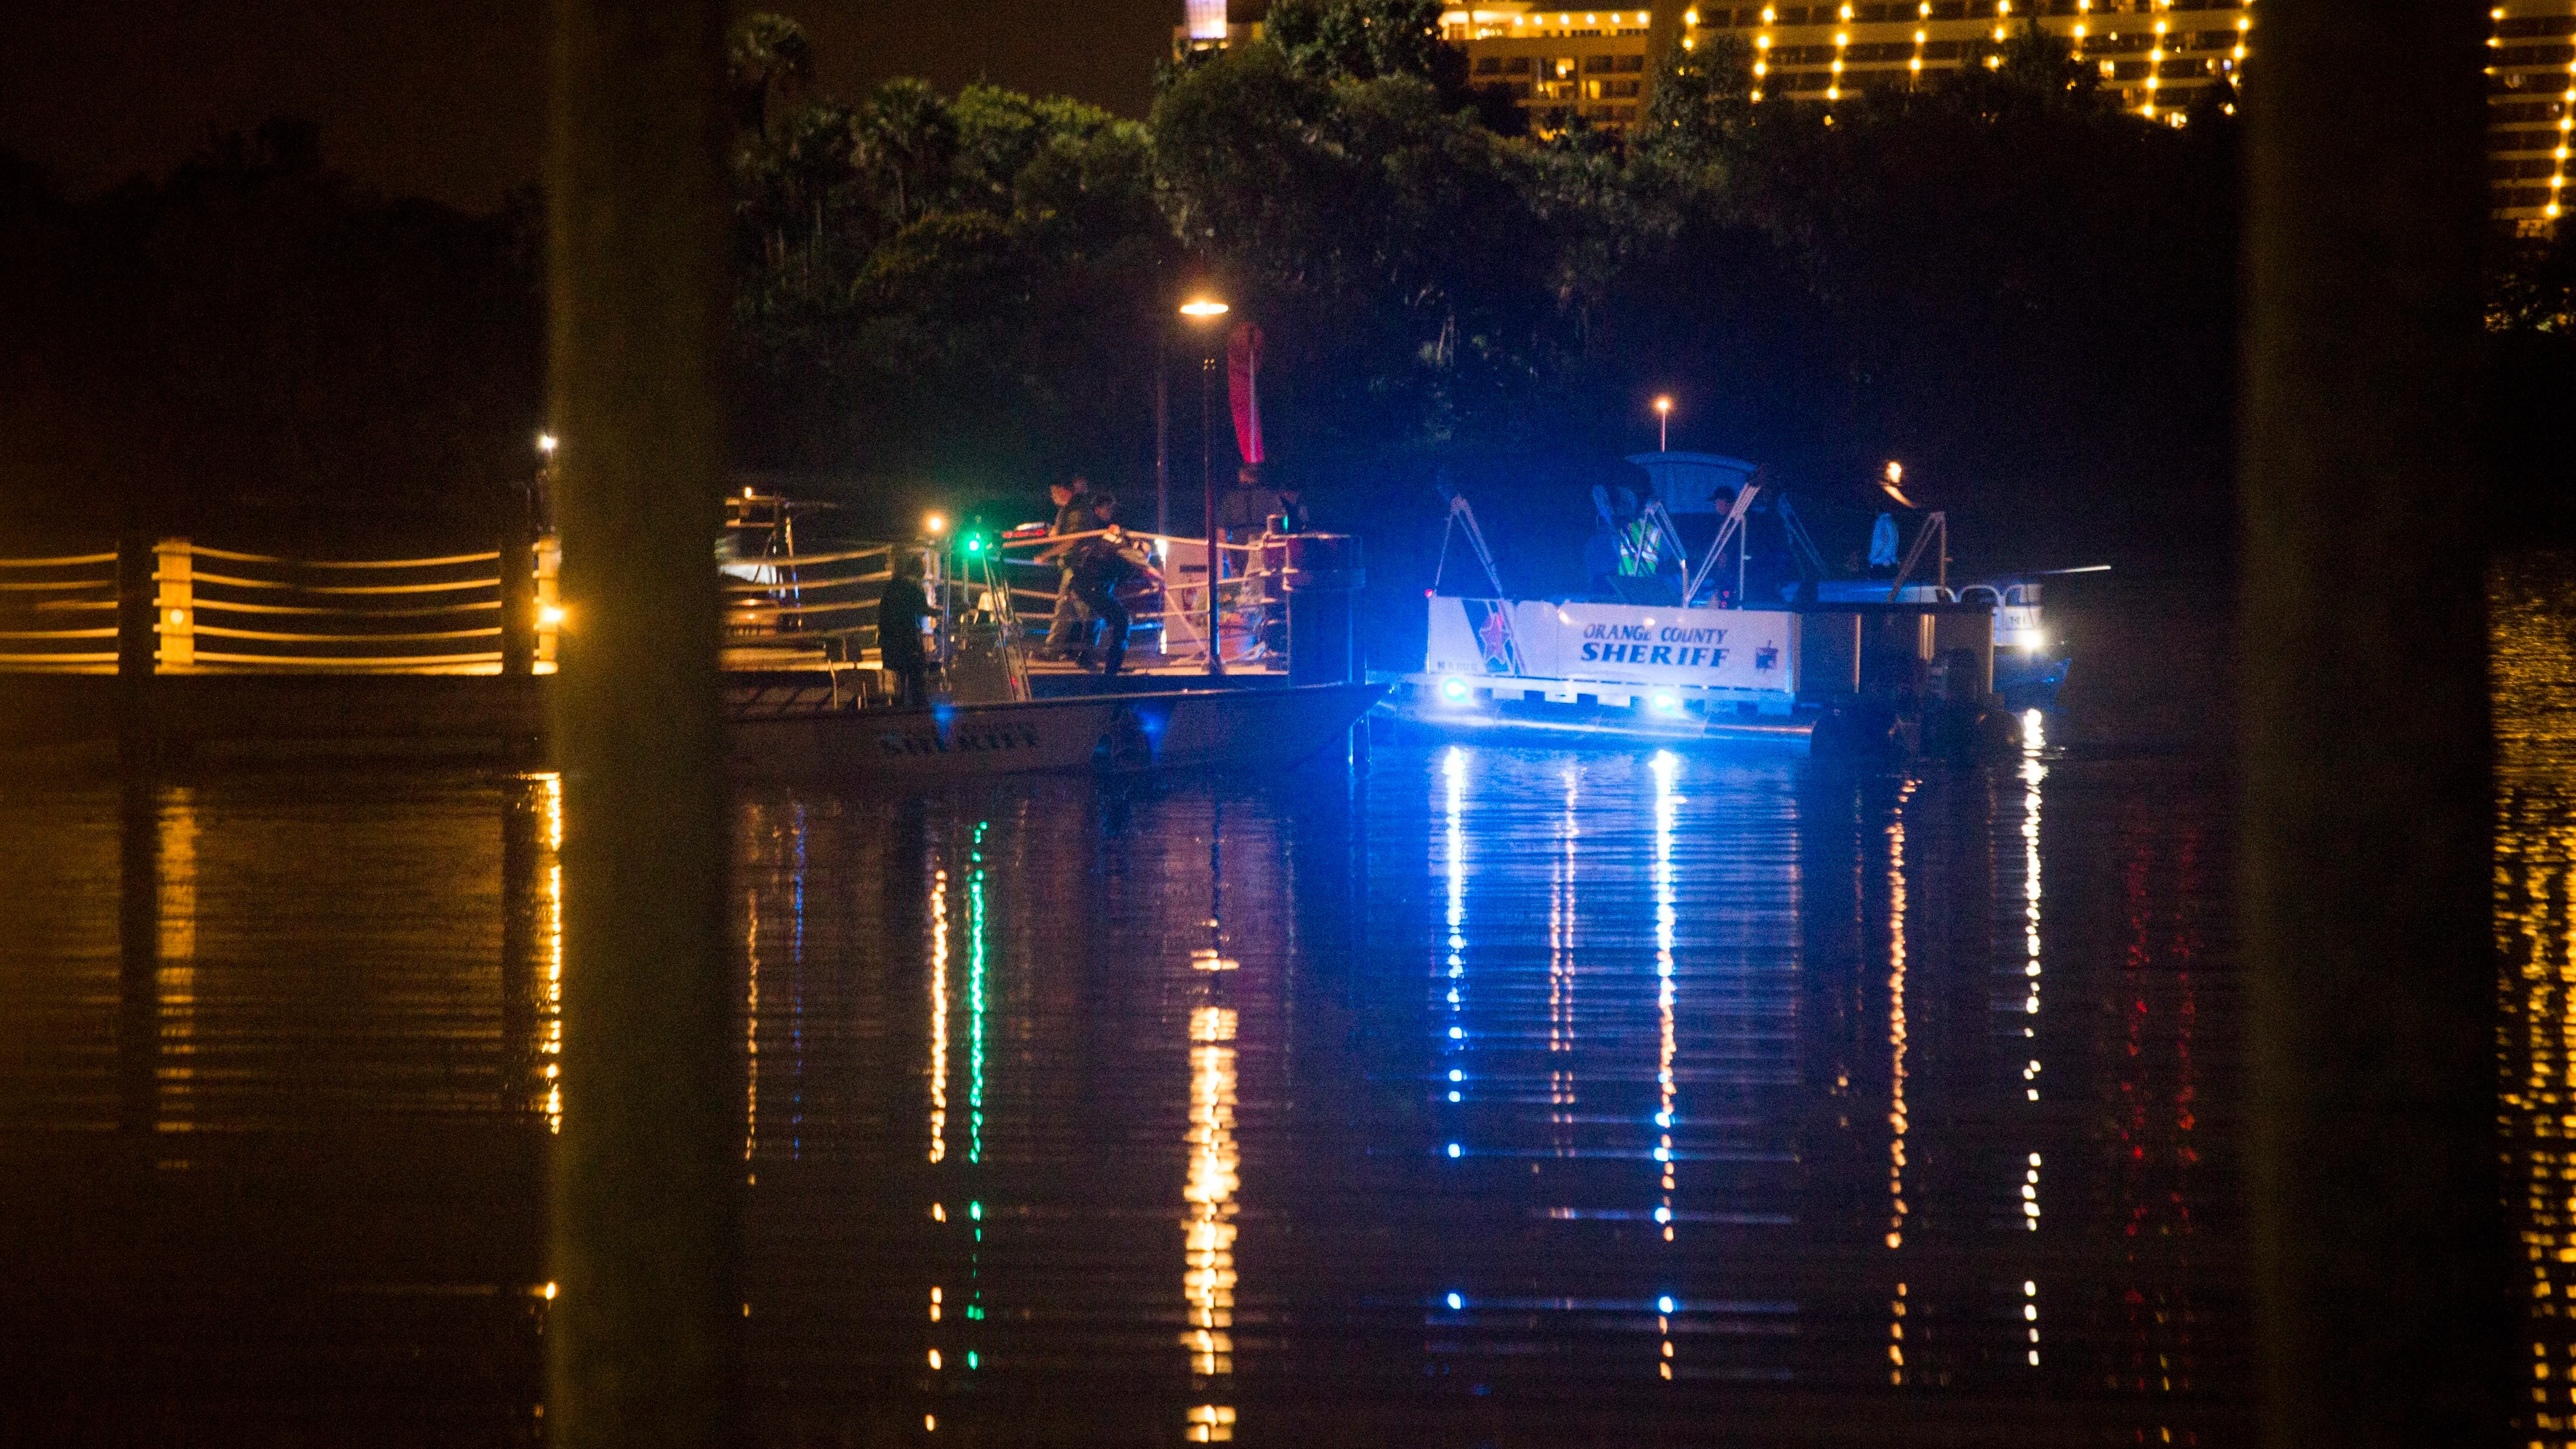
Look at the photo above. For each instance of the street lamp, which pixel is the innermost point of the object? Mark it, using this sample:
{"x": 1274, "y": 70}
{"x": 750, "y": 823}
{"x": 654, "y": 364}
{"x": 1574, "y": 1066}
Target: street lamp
{"x": 1895, "y": 476}
{"x": 1204, "y": 310}
{"x": 1663, "y": 423}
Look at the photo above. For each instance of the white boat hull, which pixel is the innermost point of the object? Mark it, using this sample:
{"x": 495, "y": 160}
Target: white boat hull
{"x": 775, "y": 735}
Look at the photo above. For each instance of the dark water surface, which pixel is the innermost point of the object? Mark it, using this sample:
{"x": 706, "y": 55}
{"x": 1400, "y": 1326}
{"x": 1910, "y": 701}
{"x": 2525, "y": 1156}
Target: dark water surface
{"x": 1483, "y": 1096}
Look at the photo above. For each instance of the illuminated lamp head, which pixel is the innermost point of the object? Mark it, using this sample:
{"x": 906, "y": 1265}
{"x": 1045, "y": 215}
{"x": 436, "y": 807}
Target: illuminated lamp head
{"x": 1454, "y": 690}
{"x": 1667, "y": 703}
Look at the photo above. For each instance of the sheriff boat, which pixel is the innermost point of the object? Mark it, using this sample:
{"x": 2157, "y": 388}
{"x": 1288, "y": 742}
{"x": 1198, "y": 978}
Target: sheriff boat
{"x": 1844, "y": 666}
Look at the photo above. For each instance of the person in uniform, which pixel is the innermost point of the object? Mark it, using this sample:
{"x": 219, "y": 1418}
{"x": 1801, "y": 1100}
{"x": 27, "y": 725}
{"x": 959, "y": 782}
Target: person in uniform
{"x": 1099, "y": 565}
{"x": 1246, "y": 507}
{"x": 1292, "y": 515}
{"x": 1066, "y": 630}
{"x": 899, "y": 617}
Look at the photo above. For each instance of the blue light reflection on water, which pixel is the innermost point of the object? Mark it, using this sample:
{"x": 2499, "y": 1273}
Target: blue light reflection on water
{"x": 1703, "y": 1041}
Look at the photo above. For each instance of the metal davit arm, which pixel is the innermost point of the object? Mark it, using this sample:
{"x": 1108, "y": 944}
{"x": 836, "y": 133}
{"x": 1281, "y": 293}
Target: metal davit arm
{"x": 1461, "y": 515}
{"x": 1733, "y": 528}
{"x": 1937, "y": 522}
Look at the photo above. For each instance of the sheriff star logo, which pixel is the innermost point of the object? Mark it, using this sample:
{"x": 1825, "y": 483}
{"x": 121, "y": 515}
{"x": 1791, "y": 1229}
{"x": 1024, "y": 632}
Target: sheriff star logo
{"x": 1496, "y": 636}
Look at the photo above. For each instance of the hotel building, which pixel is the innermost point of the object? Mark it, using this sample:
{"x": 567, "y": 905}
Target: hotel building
{"x": 2156, "y": 57}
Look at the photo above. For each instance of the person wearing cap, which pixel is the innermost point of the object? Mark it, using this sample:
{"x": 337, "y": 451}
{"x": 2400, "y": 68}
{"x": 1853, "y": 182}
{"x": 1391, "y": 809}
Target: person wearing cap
{"x": 899, "y": 617}
{"x": 1066, "y": 628}
{"x": 1099, "y": 565}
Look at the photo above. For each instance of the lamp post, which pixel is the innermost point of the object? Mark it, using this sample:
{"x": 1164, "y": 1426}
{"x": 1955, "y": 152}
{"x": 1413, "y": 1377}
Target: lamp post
{"x": 1663, "y": 424}
{"x": 1892, "y": 482}
{"x": 1204, "y": 310}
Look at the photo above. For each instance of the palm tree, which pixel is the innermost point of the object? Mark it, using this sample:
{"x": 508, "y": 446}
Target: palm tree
{"x": 905, "y": 140}
{"x": 767, "y": 56}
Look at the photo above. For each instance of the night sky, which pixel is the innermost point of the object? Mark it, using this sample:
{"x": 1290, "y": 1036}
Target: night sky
{"x": 446, "y": 99}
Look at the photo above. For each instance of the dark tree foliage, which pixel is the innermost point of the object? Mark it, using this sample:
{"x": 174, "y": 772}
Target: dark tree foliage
{"x": 255, "y": 332}
{"x": 1361, "y": 39}
{"x": 1996, "y": 276}
{"x": 959, "y": 289}
{"x": 2026, "y": 294}
{"x": 2531, "y": 318}
{"x": 1391, "y": 249}
{"x": 2021, "y": 291}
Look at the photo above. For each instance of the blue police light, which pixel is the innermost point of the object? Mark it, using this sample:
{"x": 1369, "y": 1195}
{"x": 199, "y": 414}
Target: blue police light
{"x": 1664, "y": 1304}
{"x": 1454, "y": 690}
{"x": 1457, "y": 1301}
{"x": 1666, "y": 703}
{"x": 1453, "y": 1149}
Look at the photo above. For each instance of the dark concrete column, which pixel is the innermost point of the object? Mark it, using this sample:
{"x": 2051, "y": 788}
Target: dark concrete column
{"x": 135, "y": 617}
{"x": 2382, "y": 1261}
{"x": 518, "y": 586}
{"x": 644, "y": 1212}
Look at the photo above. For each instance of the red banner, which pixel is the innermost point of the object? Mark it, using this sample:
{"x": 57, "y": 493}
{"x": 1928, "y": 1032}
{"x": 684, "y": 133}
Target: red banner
{"x": 1243, "y": 387}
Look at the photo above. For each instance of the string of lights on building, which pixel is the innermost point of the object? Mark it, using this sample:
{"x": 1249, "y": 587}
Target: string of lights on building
{"x": 2158, "y": 58}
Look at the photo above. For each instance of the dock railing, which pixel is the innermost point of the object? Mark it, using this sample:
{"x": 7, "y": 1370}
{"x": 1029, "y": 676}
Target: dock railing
{"x": 193, "y": 608}
{"x": 58, "y": 614}
{"x": 222, "y": 611}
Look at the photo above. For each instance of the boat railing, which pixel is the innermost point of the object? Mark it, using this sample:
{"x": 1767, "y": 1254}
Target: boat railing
{"x": 822, "y": 604}
{"x": 1176, "y": 621}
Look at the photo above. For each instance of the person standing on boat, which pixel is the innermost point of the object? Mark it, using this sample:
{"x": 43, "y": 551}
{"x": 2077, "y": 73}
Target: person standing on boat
{"x": 1291, "y": 515}
{"x": 1100, "y": 564}
{"x": 1882, "y": 544}
{"x": 899, "y": 617}
{"x": 1072, "y": 500}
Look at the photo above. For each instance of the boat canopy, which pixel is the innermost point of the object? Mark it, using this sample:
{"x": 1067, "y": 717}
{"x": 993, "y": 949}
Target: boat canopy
{"x": 1694, "y": 482}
